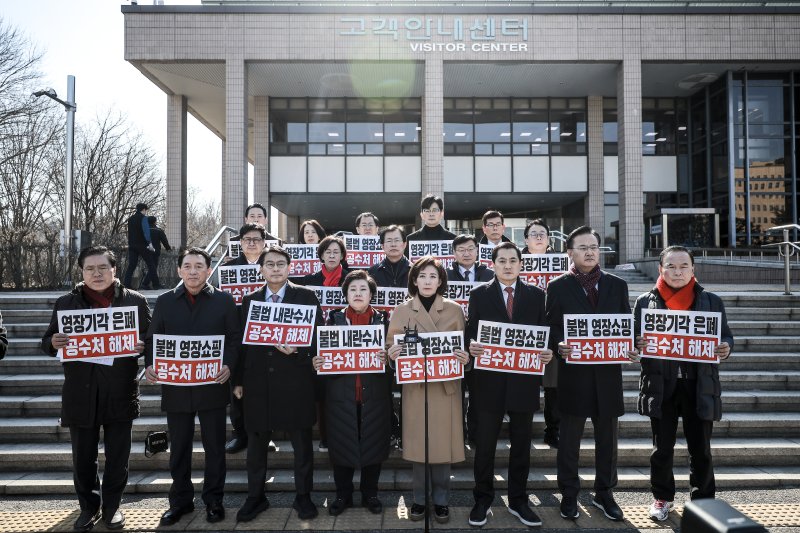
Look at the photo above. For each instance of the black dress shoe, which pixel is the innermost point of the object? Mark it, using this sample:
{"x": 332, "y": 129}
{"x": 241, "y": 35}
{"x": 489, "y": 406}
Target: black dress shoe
{"x": 173, "y": 514}
{"x": 306, "y": 510}
{"x": 215, "y": 513}
{"x": 373, "y": 504}
{"x": 441, "y": 513}
{"x": 236, "y": 444}
{"x": 569, "y": 507}
{"x": 551, "y": 440}
{"x": 251, "y": 509}
{"x": 113, "y": 519}
{"x": 605, "y": 502}
{"x": 338, "y": 505}
{"x": 87, "y": 520}
{"x": 417, "y": 512}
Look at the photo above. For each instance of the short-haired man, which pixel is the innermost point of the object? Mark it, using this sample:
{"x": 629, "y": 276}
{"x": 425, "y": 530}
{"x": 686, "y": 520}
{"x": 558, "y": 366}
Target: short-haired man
{"x": 367, "y": 224}
{"x": 276, "y": 384}
{"x": 193, "y": 308}
{"x": 139, "y": 244}
{"x": 586, "y": 391}
{"x": 257, "y": 214}
{"x": 494, "y": 227}
{"x": 158, "y": 239}
{"x": 393, "y": 270}
{"x": 672, "y": 389}
{"x": 506, "y": 299}
{"x": 431, "y": 211}
{"x": 95, "y": 395}
{"x": 466, "y": 266}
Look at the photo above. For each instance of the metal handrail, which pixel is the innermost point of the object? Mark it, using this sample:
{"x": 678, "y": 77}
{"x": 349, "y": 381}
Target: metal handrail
{"x": 212, "y": 246}
{"x": 786, "y": 248}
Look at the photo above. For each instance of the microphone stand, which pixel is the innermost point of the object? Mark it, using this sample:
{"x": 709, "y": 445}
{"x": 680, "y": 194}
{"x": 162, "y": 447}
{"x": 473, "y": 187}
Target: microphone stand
{"x": 427, "y": 464}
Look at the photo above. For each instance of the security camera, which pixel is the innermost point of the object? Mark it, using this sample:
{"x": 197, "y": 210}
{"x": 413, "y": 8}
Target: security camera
{"x": 48, "y": 91}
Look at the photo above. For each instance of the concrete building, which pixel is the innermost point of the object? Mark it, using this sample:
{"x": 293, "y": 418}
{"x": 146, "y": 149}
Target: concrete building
{"x": 578, "y": 111}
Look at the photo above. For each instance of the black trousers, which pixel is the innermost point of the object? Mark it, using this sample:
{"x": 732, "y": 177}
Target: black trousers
{"x": 257, "y": 451}
{"x": 134, "y": 253}
{"x": 117, "y": 449}
{"x": 569, "y": 448}
{"x": 470, "y": 410}
{"x": 151, "y": 278}
{"x": 343, "y": 478}
{"x": 519, "y": 461}
{"x": 181, "y": 435}
{"x": 237, "y": 416}
{"x": 552, "y": 417}
{"x": 682, "y": 403}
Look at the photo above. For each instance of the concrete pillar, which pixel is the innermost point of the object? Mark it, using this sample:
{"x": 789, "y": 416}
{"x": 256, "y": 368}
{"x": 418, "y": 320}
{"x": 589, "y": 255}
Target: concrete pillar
{"x": 629, "y": 133}
{"x": 261, "y": 147}
{"x": 234, "y": 185}
{"x": 175, "y": 223}
{"x": 432, "y": 119}
{"x": 595, "y": 215}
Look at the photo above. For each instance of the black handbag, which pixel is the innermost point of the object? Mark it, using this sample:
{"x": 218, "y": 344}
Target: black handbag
{"x": 155, "y": 442}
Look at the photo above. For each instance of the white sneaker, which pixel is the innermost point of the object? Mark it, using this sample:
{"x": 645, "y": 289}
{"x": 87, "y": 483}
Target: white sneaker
{"x": 660, "y": 509}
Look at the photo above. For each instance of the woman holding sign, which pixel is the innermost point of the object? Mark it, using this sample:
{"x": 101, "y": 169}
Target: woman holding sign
{"x": 358, "y": 415}
{"x": 428, "y": 312}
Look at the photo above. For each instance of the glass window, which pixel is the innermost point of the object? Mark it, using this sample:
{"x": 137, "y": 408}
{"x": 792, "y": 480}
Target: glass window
{"x": 530, "y": 126}
{"x": 457, "y": 126}
{"x": 765, "y": 104}
{"x": 326, "y": 126}
{"x": 492, "y": 126}
{"x": 567, "y": 126}
{"x": 287, "y": 126}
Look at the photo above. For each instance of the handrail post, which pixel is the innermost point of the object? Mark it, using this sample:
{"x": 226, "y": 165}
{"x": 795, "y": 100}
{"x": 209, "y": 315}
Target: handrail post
{"x": 787, "y": 289}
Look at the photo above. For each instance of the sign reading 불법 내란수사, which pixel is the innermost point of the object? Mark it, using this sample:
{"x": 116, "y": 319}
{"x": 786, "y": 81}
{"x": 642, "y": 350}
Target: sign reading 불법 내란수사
{"x": 270, "y": 324}
{"x": 441, "y": 250}
{"x": 99, "y": 334}
{"x": 350, "y": 349}
{"x": 459, "y": 292}
{"x": 238, "y": 280}
{"x": 363, "y": 251}
{"x": 598, "y": 339}
{"x": 681, "y": 335}
{"x": 511, "y": 347}
{"x": 304, "y": 259}
{"x": 449, "y": 34}
{"x": 438, "y": 349}
{"x": 187, "y": 360}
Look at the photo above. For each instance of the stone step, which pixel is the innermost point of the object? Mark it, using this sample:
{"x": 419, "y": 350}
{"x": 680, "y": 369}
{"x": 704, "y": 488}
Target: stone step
{"x": 33, "y": 330}
{"x": 631, "y": 425}
{"x": 42, "y": 482}
{"x": 762, "y": 314}
{"x": 25, "y": 315}
{"x": 750, "y": 328}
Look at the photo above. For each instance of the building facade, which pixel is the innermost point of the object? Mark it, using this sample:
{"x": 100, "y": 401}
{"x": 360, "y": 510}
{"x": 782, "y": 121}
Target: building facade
{"x": 581, "y": 112}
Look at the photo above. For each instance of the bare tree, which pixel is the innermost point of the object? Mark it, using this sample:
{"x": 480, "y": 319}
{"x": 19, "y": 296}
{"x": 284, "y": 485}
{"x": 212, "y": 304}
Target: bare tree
{"x": 203, "y": 219}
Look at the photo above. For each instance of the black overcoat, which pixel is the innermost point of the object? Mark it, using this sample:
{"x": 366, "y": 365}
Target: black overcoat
{"x": 278, "y": 388}
{"x": 213, "y": 313}
{"x": 586, "y": 390}
{"x": 344, "y": 426}
{"x": 95, "y": 394}
{"x": 499, "y": 392}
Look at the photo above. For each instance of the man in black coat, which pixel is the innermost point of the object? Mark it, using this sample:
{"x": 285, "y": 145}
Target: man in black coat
{"x": 506, "y": 299}
{"x": 97, "y": 394}
{"x": 276, "y": 384}
{"x": 393, "y": 270}
{"x": 466, "y": 266}
{"x": 672, "y": 389}
{"x": 586, "y": 391}
{"x": 158, "y": 238}
{"x": 431, "y": 211}
{"x": 196, "y": 308}
{"x": 3, "y": 339}
{"x": 494, "y": 227}
{"x": 139, "y": 243}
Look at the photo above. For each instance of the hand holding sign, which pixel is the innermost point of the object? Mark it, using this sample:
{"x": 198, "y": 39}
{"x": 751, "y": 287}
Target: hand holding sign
{"x": 59, "y": 340}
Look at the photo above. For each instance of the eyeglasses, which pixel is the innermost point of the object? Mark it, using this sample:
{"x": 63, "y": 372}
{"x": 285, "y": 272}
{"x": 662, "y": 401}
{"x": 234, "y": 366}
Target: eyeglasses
{"x": 465, "y": 250}
{"x": 252, "y": 240}
{"x": 280, "y": 265}
{"x": 103, "y": 269}
{"x": 493, "y": 226}
{"x": 584, "y": 249}
{"x": 537, "y": 235}
{"x": 434, "y": 210}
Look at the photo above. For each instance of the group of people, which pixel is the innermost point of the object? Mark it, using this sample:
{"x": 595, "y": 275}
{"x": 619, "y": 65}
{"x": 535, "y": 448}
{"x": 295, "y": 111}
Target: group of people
{"x": 275, "y": 387}
{"x": 145, "y": 240}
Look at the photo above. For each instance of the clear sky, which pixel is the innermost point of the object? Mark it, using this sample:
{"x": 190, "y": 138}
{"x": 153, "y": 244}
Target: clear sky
{"x": 85, "y": 38}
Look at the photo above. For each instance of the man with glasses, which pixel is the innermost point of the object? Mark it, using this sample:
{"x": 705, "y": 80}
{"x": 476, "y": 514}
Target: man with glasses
{"x": 98, "y": 394}
{"x": 586, "y": 391}
{"x": 432, "y": 214}
{"x": 494, "y": 227}
{"x": 276, "y": 384}
{"x": 466, "y": 266}
{"x": 367, "y": 224}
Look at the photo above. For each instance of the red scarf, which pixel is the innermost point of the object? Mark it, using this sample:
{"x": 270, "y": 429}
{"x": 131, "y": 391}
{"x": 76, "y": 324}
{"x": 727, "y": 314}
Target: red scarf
{"x": 332, "y": 278}
{"x": 589, "y": 283}
{"x": 99, "y": 300}
{"x": 358, "y": 319}
{"x": 676, "y": 299}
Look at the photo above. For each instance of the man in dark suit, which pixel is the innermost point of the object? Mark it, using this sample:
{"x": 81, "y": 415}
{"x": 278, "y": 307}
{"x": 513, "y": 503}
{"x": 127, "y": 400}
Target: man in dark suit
{"x": 466, "y": 266}
{"x": 506, "y": 299}
{"x": 158, "y": 238}
{"x": 431, "y": 211}
{"x": 276, "y": 384}
{"x": 195, "y": 308}
{"x": 586, "y": 391}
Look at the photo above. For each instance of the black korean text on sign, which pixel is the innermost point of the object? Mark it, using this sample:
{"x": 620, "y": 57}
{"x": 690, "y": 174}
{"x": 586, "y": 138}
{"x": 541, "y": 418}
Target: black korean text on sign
{"x": 97, "y": 333}
{"x": 187, "y": 360}
{"x": 271, "y": 324}
{"x": 350, "y": 349}
{"x": 438, "y": 349}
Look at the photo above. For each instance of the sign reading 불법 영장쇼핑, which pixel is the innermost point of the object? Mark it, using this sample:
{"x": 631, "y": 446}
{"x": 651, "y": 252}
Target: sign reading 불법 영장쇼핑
{"x": 363, "y": 251}
{"x": 304, "y": 259}
{"x": 350, "y": 349}
{"x": 239, "y": 280}
{"x": 511, "y": 347}
{"x": 271, "y": 324}
{"x": 187, "y": 360}
{"x": 438, "y": 349}
{"x": 441, "y": 250}
{"x": 681, "y": 335}
{"x": 95, "y": 334}
{"x": 598, "y": 339}
{"x": 387, "y": 298}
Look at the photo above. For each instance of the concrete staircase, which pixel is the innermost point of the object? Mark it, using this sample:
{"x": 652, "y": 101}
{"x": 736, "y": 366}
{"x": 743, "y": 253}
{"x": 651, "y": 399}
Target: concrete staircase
{"x": 757, "y": 443}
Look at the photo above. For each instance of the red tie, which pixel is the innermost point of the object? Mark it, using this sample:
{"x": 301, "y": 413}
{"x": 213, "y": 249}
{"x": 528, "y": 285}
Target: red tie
{"x": 510, "y": 302}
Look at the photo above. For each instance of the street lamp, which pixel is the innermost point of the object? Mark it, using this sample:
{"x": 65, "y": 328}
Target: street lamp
{"x": 70, "y": 107}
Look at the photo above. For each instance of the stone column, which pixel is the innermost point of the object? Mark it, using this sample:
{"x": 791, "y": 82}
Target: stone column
{"x": 432, "y": 119}
{"x": 175, "y": 223}
{"x": 261, "y": 147}
{"x": 594, "y": 203}
{"x": 629, "y": 133}
{"x": 234, "y": 185}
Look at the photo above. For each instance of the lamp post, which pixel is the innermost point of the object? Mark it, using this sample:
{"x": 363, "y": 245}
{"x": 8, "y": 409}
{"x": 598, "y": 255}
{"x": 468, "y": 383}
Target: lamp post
{"x": 70, "y": 107}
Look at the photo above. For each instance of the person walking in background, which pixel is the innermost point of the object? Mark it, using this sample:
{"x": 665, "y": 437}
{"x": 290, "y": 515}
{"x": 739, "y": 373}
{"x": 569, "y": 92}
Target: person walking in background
{"x": 158, "y": 238}
{"x": 140, "y": 243}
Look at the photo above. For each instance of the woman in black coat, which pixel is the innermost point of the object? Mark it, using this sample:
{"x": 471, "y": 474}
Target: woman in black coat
{"x": 358, "y": 415}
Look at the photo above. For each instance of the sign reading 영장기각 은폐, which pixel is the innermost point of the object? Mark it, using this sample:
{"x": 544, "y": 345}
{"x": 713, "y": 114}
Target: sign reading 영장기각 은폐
{"x": 350, "y": 349}
{"x": 239, "y": 280}
{"x": 540, "y": 269}
{"x": 187, "y": 360}
{"x": 459, "y": 292}
{"x": 681, "y": 335}
{"x": 304, "y": 259}
{"x": 271, "y": 324}
{"x": 438, "y": 349}
{"x": 598, "y": 339}
{"x": 511, "y": 347}
{"x": 441, "y": 250}
{"x": 99, "y": 334}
